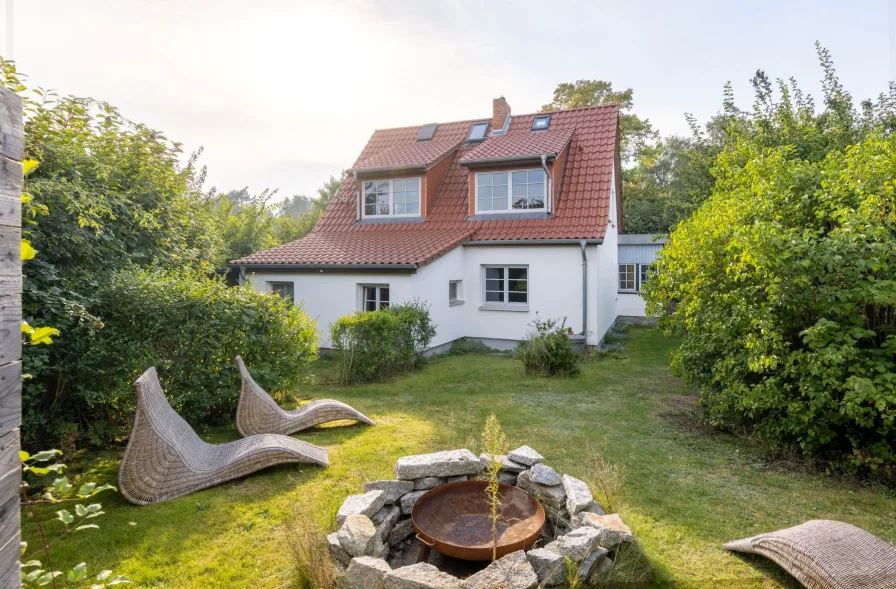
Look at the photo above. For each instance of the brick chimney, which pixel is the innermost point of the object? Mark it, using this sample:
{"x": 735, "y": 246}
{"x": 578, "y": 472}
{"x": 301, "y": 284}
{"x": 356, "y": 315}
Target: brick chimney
{"x": 500, "y": 112}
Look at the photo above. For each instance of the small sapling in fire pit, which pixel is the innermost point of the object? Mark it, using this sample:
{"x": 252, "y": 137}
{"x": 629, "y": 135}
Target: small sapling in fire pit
{"x": 494, "y": 443}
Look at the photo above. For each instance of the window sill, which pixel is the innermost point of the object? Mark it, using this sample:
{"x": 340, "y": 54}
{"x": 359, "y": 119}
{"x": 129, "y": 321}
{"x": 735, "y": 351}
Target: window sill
{"x": 628, "y": 292}
{"x": 504, "y": 308}
{"x": 389, "y": 219}
{"x": 455, "y": 303}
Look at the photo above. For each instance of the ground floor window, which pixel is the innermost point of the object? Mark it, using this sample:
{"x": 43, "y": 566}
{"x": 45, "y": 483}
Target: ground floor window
{"x": 634, "y": 276}
{"x": 455, "y": 292}
{"x": 506, "y": 286}
{"x": 287, "y": 290}
{"x": 645, "y": 271}
{"x": 376, "y": 297}
{"x": 627, "y": 278}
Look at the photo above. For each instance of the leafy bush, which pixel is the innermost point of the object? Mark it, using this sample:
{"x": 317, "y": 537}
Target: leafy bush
{"x": 547, "y": 350}
{"x": 190, "y": 327}
{"x": 784, "y": 280}
{"x": 466, "y": 345}
{"x": 377, "y": 344}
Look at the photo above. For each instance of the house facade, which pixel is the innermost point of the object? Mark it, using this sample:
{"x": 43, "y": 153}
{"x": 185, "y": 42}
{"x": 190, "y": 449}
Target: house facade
{"x": 489, "y": 221}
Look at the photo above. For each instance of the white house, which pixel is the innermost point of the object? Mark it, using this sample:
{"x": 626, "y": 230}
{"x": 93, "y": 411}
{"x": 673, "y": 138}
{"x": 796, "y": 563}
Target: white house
{"x": 489, "y": 221}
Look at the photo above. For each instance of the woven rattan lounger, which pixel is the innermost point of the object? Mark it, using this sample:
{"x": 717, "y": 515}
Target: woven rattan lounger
{"x": 165, "y": 458}
{"x": 825, "y": 554}
{"x": 258, "y": 413}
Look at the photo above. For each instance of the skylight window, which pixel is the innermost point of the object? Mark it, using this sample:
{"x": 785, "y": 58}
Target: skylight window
{"x": 477, "y": 132}
{"x": 541, "y": 122}
{"x": 426, "y": 132}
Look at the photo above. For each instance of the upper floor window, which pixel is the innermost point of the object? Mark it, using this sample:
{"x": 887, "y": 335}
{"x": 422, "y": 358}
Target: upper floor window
{"x": 395, "y": 198}
{"x": 511, "y": 191}
{"x": 541, "y": 122}
{"x": 477, "y": 132}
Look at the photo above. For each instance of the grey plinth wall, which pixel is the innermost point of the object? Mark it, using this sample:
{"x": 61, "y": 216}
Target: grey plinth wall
{"x": 12, "y": 147}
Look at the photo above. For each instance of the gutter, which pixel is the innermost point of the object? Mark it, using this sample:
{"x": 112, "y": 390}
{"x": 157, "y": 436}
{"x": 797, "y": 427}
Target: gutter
{"x": 355, "y": 171}
{"x": 322, "y": 267}
{"x": 506, "y": 160}
{"x": 482, "y": 242}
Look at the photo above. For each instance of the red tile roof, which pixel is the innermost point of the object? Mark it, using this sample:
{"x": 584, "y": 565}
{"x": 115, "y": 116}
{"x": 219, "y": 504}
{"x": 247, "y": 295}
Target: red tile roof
{"x": 582, "y": 209}
{"x": 518, "y": 145}
{"x": 404, "y": 155}
{"x": 363, "y": 247}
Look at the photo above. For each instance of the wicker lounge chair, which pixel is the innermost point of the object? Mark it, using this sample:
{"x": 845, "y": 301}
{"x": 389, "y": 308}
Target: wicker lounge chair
{"x": 824, "y": 554}
{"x": 258, "y": 413}
{"x": 165, "y": 458}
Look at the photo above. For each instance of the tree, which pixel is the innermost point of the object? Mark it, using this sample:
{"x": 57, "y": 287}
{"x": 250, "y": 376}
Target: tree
{"x": 636, "y": 133}
{"x": 781, "y": 284}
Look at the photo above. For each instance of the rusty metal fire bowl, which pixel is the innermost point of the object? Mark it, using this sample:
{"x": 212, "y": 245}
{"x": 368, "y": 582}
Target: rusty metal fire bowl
{"x": 455, "y": 519}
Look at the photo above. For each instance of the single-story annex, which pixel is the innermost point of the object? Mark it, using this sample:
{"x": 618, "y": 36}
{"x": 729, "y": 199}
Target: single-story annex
{"x": 490, "y": 221}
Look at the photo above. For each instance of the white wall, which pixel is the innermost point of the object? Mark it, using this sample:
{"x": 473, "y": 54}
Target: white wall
{"x": 328, "y": 295}
{"x": 607, "y": 272}
{"x": 630, "y": 305}
{"x": 555, "y": 291}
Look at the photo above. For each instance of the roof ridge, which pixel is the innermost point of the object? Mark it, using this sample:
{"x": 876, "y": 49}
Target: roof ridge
{"x": 481, "y": 119}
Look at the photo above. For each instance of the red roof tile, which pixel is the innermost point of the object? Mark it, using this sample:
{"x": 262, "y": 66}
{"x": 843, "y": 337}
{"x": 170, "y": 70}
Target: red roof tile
{"x": 403, "y": 155}
{"x": 582, "y": 209}
{"x": 519, "y": 145}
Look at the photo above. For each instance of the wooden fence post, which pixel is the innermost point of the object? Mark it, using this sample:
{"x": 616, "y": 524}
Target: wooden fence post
{"x": 12, "y": 152}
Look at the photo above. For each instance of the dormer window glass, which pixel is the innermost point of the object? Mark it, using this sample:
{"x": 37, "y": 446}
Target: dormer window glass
{"x": 477, "y": 132}
{"x": 512, "y": 191}
{"x": 392, "y": 198}
{"x": 541, "y": 122}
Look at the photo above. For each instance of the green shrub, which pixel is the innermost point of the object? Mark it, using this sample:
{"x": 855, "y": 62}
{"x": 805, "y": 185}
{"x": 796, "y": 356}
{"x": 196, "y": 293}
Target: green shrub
{"x": 466, "y": 345}
{"x": 373, "y": 345}
{"x": 190, "y": 327}
{"x": 547, "y": 350}
{"x": 787, "y": 301}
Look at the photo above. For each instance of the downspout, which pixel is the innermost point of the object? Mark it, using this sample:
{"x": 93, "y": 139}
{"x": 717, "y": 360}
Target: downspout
{"x": 544, "y": 166}
{"x": 584, "y": 244}
{"x": 359, "y": 203}
{"x": 242, "y": 275}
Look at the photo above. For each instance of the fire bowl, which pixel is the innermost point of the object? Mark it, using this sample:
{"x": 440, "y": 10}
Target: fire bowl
{"x": 455, "y": 519}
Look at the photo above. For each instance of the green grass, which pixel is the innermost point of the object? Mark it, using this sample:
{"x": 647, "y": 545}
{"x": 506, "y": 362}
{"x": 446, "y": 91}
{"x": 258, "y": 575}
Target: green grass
{"x": 687, "y": 489}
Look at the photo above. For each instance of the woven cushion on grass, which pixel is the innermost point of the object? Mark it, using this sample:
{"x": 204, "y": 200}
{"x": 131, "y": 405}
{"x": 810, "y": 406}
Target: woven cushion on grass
{"x": 825, "y": 554}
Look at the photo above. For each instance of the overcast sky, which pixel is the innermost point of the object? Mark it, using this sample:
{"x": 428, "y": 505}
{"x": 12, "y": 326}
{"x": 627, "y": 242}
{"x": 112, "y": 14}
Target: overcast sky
{"x": 283, "y": 93}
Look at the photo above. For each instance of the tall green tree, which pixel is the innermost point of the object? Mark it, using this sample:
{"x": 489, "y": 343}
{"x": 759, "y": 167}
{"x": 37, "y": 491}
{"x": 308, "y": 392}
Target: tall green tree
{"x": 636, "y": 133}
{"x": 782, "y": 286}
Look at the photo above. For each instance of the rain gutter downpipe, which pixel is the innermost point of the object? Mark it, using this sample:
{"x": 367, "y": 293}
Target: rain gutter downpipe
{"x": 544, "y": 166}
{"x": 584, "y": 244}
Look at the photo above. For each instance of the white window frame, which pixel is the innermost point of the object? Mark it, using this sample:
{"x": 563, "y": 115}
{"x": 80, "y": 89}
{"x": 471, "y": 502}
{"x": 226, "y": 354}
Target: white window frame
{"x": 634, "y": 270}
{"x": 510, "y": 209}
{"x": 641, "y": 272}
{"x": 390, "y": 214}
{"x": 378, "y": 301}
{"x": 506, "y": 304}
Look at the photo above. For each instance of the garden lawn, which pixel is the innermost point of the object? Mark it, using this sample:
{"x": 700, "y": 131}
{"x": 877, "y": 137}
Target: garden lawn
{"x": 687, "y": 489}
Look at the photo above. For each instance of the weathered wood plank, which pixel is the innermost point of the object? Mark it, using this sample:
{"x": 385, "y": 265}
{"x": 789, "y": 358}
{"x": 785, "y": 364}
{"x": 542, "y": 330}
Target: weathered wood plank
{"x": 12, "y": 134}
{"x": 10, "y": 328}
{"x": 10, "y": 396}
{"x": 11, "y": 285}
{"x": 10, "y": 251}
{"x": 10, "y": 466}
{"x": 9, "y": 540}
{"x": 10, "y": 192}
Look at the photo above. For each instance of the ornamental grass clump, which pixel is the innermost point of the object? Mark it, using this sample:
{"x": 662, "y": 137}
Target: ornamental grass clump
{"x": 547, "y": 351}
